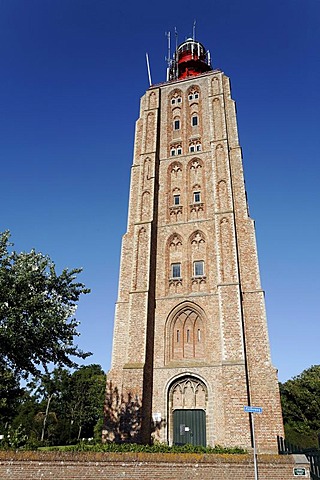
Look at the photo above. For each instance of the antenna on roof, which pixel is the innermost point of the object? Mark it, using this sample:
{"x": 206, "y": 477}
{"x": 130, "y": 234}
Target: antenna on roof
{"x": 148, "y": 68}
{"x": 168, "y": 59}
{"x": 175, "y": 55}
{"x": 194, "y": 31}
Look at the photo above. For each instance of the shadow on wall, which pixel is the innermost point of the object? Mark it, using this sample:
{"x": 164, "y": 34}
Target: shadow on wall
{"x": 123, "y": 418}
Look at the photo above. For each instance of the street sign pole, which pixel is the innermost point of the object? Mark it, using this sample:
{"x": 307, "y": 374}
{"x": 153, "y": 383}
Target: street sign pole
{"x": 255, "y": 463}
{"x": 252, "y": 411}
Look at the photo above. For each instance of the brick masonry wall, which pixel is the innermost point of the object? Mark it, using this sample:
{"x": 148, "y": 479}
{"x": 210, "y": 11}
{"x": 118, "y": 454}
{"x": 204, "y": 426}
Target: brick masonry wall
{"x": 211, "y": 327}
{"x": 99, "y": 466}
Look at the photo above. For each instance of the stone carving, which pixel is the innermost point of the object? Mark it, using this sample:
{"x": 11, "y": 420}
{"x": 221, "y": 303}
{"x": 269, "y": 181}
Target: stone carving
{"x": 188, "y": 392}
{"x": 197, "y": 239}
{"x": 175, "y": 242}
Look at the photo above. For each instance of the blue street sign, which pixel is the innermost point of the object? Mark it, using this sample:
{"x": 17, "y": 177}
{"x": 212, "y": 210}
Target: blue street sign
{"x": 252, "y": 409}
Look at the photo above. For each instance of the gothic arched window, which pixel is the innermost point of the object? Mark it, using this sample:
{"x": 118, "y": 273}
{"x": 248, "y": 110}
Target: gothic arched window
{"x": 186, "y": 335}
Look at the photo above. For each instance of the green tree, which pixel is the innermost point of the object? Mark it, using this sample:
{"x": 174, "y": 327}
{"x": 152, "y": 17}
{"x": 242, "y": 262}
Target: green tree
{"x": 37, "y": 307}
{"x": 10, "y": 395}
{"x": 85, "y": 403}
{"x": 61, "y": 407}
{"x": 300, "y": 398}
{"x": 26, "y": 416}
{"x": 49, "y": 389}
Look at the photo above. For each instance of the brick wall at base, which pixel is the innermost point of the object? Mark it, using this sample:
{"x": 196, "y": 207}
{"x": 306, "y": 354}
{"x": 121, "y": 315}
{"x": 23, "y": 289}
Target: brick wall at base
{"x": 142, "y": 466}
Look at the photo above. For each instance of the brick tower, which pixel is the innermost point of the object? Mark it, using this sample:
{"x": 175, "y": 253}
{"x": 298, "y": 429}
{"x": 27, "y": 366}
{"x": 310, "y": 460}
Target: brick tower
{"x": 190, "y": 346}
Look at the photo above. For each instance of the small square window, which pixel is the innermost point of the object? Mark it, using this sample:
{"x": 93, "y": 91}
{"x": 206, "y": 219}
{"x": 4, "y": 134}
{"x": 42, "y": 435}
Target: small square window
{"x": 191, "y": 148}
{"x": 198, "y": 268}
{"x": 179, "y": 100}
{"x": 196, "y": 197}
{"x": 179, "y": 151}
{"x": 198, "y": 147}
{"x": 190, "y": 97}
{"x": 176, "y": 270}
{"x": 173, "y": 101}
{"x": 194, "y": 121}
{"x": 173, "y": 152}
{"x": 196, "y": 95}
{"x": 177, "y": 124}
{"x": 176, "y": 199}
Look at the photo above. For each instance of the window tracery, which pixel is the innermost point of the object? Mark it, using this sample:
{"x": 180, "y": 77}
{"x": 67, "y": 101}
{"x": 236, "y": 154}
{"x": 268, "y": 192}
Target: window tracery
{"x": 186, "y": 335}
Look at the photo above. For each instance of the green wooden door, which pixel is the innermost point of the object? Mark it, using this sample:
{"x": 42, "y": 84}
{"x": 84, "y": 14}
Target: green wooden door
{"x": 189, "y": 426}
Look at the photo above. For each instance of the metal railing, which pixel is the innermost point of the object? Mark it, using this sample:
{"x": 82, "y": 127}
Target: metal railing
{"x": 312, "y": 454}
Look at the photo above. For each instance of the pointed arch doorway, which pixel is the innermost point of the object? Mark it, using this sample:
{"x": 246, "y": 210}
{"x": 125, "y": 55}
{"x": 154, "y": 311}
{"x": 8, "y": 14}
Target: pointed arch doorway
{"x": 187, "y": 404}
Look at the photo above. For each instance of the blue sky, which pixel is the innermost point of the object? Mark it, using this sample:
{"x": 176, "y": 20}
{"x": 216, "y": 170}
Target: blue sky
{"x": 72, "y": 74}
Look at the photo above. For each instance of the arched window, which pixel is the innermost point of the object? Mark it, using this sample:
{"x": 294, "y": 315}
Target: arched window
{"x": 194, "y": 120}
{"x": 195, "y": 146}
{"x": 196, "y": 197}
{"x": 186, "y": 335}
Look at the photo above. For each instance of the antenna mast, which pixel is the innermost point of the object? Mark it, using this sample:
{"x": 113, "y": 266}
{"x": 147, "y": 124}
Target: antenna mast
{"x": 168, "y": 59}
{"x": 148, "y": 68}
{"x": 194, "y": 31}
{"x": 175, "y": 55}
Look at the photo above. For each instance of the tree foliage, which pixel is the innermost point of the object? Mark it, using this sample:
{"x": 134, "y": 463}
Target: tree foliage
{"x": 85, "y": 405}
{"x": 61, "y": 407}
{"x": 300, "y": 398}
{"x": 11, "y": 394}
{"x": 37, "y": 307}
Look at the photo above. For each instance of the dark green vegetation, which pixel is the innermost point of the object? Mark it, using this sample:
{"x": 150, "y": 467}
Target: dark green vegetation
{"x": 300, "y": 398}
{"x": 156, "y": 448}
{"x": 58, "y": 409}
{"x": 37, "y": 306}
{"x": 37, "y": 332}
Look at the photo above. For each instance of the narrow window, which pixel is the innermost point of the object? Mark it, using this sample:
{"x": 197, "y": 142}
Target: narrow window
{"x": 198, "y": 147}
{"x": 188, "y": 336}
{"x": 177, "y": 124}
{"x": 196, "y": 197}
{"x": 191, "y": 148}
{"x": 176, "y": 199}
{"x": 173, "y": 152}
{"x": 179, "y": 151}
{"x": 194, "y": 121}
{"x": 198, "y": 268}
{"x": 176, "y": 270}
{"x": 199, "y": 335}
{"x": 178, "y": 336}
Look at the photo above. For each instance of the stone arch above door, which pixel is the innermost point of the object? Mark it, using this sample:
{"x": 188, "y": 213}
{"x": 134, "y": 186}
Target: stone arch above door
{"x": 188, "y": 392}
